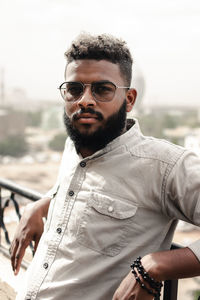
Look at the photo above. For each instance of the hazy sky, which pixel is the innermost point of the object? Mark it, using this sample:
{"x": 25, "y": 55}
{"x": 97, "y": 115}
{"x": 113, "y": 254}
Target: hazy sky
{"x": 163, "y": 35}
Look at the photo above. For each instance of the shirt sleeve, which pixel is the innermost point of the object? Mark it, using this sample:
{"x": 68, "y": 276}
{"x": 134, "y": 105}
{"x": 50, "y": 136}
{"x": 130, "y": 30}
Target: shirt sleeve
{"x": 182, "y": 193}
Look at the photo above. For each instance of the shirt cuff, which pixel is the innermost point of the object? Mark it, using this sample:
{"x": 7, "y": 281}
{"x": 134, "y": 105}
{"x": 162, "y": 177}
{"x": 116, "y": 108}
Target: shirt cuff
{"x": 195, "y": 247}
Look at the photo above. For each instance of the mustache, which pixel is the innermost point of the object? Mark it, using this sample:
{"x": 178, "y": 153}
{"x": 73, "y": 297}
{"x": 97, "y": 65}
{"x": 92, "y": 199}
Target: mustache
{"x": 89, "y": 110}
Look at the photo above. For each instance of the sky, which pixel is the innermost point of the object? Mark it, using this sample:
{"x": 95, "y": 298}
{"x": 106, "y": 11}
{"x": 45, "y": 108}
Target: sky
{"x": 163, "y": 36}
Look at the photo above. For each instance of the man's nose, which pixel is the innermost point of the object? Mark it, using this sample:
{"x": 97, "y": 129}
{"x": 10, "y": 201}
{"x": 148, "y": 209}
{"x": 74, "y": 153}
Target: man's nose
{"x": 87, "y": 99}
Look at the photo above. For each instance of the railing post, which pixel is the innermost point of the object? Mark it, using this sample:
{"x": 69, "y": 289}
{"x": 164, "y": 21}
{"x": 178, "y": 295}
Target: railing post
{"x": 170, "y": 290}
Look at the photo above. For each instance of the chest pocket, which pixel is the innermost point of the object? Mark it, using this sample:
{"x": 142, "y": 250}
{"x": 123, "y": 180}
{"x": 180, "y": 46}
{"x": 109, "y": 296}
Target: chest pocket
{"x": 105, "y": 224}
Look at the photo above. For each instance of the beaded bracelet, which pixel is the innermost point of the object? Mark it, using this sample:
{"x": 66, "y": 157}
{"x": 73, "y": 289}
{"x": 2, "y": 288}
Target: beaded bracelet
{"x": 151, "y": 292}
{"x": 155, "y": 285}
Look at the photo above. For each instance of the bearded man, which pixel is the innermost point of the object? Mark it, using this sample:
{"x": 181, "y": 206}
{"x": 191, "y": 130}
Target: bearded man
{"x": 118, "y": 196}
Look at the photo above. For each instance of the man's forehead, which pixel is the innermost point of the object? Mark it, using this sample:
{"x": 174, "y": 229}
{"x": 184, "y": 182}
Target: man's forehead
{"x": 92, "y": 63}
{"x": 91, "y": 67}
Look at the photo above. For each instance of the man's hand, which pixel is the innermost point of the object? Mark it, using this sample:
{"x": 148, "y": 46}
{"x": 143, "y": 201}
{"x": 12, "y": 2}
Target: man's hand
{"x": 130, "y": 289}
{"x": 30, "y": 228}
{"x": 174, "y": 264}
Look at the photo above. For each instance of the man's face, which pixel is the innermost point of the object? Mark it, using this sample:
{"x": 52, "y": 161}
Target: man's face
{"x": 88, "y": 71}
{"x": 92, "y": 124}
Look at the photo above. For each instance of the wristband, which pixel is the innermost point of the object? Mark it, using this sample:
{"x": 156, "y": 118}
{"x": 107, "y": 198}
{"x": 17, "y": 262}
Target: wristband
{"x": 155, "y": 285}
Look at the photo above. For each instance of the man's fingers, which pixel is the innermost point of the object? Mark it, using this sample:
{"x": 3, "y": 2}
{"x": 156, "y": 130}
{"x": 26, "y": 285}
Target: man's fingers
{"x": 36, "y": 243}
{"x": 12, "y": 250}
{"x": 37, "y": 238}
{"x": 17, "y": 262}
{"x": 20, "y": 254}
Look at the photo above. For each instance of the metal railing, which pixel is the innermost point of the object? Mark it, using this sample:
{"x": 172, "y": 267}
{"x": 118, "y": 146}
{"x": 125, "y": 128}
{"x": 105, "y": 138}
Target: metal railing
{"x": 170, "y": 286}
{"x": 13, "y": 190}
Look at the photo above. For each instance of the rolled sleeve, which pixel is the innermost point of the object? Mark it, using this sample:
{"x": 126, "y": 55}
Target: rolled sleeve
{"x": 182, "y": 193}
{"x": 182, "y": 197}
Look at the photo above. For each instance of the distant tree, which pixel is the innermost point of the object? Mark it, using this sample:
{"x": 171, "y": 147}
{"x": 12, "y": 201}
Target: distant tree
{"x": 196, "y": 294}
{"x": 170, "y": 121}
{"x": 58, "y": 142}
{"x": 13, "y": 145}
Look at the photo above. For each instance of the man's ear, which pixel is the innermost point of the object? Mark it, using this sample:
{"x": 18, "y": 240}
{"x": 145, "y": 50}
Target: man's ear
{"x": 130, "y": 99}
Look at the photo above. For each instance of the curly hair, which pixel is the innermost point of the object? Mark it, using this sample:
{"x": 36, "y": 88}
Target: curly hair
{"x": 99, "y": 47}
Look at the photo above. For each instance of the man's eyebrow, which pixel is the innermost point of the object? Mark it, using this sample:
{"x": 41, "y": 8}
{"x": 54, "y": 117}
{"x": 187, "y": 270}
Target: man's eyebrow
{"x": 102, "y": 81}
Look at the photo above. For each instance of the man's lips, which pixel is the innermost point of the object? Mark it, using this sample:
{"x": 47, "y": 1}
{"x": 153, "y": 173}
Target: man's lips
{"x": 86, "y": 118}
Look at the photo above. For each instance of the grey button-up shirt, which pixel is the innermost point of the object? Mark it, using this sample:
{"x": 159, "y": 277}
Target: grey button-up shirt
{"x": 107, "y": 209}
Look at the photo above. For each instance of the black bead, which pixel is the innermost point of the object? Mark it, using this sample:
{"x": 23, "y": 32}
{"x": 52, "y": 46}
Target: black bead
{"x": 137, "y": 278}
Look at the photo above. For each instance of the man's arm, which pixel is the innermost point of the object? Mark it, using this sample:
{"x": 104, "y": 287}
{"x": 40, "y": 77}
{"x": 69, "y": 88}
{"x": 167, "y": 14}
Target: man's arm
{"x": 174, "y": 264}
{"x": 30, "y": 228}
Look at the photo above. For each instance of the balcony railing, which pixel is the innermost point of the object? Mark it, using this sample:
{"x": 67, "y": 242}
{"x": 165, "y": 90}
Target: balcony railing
{"x": 11, "y": 199}
{"x": 14, "y": 190}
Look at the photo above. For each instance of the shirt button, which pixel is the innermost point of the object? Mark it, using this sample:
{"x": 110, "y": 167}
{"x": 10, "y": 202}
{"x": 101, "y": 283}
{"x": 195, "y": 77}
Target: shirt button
{"x": 110, "y": 209}
{"x": 45, "y": 265}
{"x": 71, "y": 193}
{"x": 59, "y": 230}
{"x": 82, "y": 164}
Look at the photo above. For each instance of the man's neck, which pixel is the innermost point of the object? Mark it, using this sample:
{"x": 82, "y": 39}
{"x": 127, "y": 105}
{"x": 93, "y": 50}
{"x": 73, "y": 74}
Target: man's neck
{"x": 85, "y": 152}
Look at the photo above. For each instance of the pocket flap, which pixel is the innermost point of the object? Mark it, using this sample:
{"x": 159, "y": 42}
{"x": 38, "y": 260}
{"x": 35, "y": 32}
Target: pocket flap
{"x": 111, "y": 206}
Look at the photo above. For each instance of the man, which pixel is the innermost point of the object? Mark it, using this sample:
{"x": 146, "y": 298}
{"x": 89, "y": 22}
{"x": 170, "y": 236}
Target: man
{"x": 118, "y": 196}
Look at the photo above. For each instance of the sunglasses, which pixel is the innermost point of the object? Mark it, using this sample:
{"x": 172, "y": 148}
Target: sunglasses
{"x": 102, "y": 91}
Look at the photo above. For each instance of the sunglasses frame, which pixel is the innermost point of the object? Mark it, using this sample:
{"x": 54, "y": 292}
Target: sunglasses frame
{"x": 91, "y": 84}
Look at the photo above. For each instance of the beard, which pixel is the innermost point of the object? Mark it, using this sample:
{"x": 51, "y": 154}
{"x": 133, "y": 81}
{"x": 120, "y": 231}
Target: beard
{"x": 97, "y": 140}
